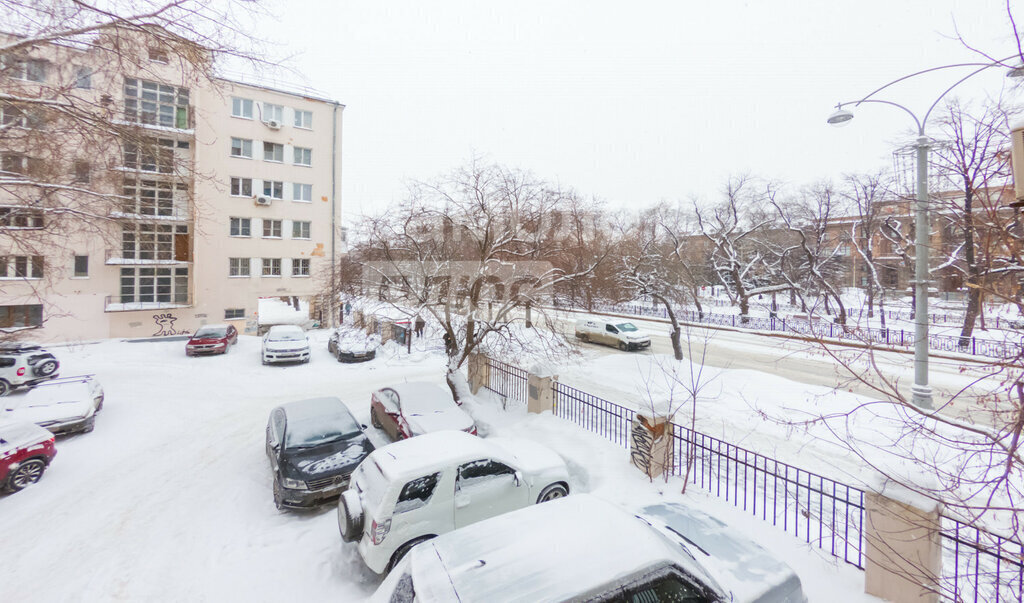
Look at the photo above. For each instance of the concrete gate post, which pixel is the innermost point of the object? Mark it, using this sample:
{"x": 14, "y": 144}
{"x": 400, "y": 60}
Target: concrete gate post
{"x": 387, "y": 331}
{"x": 541, "y": 396}
{"x": 903, "y": 550}
{"x": 479, "y": 372}
{"x": 650, "y": 445}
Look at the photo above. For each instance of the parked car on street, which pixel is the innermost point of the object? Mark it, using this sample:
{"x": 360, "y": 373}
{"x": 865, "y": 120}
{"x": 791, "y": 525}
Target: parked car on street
{"x": 62, "y": 406}
{"x": 412, "y": 409}
{"x": 285, "y": 343}
{"x": 25, "y": 364}
{"x": 411, "y": 491}
{"x": 313, "y": 446}
{"x": 25, "y": 451}
{"x": 352, "y": 345}
{"x": 623, "y": 335}
{"x": 585, "y": 549}
{"x": 211, "y": 339}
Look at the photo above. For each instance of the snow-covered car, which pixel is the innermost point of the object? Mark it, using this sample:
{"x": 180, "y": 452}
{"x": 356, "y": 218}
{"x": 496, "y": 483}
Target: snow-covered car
{"x": 351, "y": 345}
{"x": 285, "y": 343}
{"x": 62, "y": 406}
{"x": 25, "y": 452}
{"x": 623, "y": 335}
{"x": 25, "y": 364}
{"x": 313, "y": 446}
{"x": 413, "y": 490}
{"x": 412, "y": 409}
{"x": 211, "y": 339}
{"x": 585, "y": 549}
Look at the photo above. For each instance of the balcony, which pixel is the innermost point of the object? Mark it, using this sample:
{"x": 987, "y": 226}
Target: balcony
{"x": 134, "y": 303}
{"x": 118, "y": 257}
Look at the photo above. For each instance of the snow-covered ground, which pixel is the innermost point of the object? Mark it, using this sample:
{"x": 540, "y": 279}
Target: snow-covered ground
{"x": 169, "y": 499}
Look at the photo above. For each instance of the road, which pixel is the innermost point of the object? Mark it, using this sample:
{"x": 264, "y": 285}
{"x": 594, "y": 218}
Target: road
{"x": 960, "y": 386}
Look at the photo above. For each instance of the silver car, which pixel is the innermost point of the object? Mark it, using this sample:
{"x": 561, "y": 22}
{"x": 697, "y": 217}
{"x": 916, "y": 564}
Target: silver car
{"x": 581, "y": 548}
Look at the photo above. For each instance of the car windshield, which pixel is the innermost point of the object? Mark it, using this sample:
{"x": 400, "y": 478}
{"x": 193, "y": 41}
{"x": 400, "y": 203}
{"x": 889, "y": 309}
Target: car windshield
{"x": 626, "y": 326}
{"x": 308, "y": 432}
{"x": 288, "y": 336}
{"x": 211, "y": 332}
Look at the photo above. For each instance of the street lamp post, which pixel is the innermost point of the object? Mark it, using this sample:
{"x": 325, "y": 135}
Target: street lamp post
{"x": 921, "y": 392}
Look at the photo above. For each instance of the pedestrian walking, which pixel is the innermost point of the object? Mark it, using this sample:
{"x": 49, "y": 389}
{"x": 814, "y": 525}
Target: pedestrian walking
{"x": 420, "y": 323}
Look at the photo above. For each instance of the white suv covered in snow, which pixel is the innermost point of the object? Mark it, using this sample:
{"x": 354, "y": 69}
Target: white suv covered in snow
{"x": 413, "y": 490}
{"x": 285, "y": 343}
{"x": 25, "y": 364}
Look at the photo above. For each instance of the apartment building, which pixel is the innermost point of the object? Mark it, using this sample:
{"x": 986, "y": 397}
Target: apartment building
{"x": 209, "y": 195}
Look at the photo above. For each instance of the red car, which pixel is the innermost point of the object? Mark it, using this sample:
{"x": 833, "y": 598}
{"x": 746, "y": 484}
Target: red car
{"x": 25, "y": 451}
{"x": 212, "y": 339}
{"x": 411, "y": 409}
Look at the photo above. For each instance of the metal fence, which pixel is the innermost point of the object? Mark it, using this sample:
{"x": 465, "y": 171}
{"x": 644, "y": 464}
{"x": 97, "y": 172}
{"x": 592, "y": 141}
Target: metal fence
{"x": 819, "y": 510}
{"x": 979, "y": 566}
{"x": 991, "y": 348}
{"x": 508, "y": 381}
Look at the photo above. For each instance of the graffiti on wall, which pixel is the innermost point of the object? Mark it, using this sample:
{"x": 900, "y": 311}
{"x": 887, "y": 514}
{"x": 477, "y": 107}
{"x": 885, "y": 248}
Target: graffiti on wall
{"x": 165, "y": 322}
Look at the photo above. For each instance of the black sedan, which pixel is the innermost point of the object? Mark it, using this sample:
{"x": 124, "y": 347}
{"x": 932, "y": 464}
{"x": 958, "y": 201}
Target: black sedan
{"x": 351, "y": 345}
{"x": 313, "y": 446}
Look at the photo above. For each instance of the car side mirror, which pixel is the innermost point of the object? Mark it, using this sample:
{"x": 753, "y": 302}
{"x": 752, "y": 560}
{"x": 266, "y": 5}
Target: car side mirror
{"x": 364, "y": 427}
{"x": 518, "y": 478}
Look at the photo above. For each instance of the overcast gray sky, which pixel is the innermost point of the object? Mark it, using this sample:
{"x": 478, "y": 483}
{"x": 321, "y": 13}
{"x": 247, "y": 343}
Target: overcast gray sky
{"x": 628, "y": 102}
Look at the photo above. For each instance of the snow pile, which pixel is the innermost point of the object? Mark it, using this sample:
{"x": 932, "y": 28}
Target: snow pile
{"x": 274, "y": 311}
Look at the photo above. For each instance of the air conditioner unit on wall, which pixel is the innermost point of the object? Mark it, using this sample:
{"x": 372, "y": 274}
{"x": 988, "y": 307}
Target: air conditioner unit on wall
{"x": 273, "y": 124}
{"x": 263, "y": 200}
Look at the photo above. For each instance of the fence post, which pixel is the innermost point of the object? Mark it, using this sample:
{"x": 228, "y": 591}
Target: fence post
{"x": 903, "y": 551}
{"x": 479, "y": 372}
{"x": 974, "y": 344}
{"x": 387, "y": 331}
{"x": 650, "y": 445}
{"x": 541, "y": 392}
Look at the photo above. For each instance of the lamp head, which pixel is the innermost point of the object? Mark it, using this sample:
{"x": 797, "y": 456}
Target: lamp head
{"x": 840, "y": 118}
{"x": 1016, "y": 72}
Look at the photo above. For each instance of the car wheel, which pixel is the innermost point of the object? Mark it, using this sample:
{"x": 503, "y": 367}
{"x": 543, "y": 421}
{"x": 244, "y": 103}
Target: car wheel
{"x": 375, "y": 420}
{"x": 402, "y": 551}
{"x": 338, "y": 353}
{"x": 552, "y": 492}
{"x": 582, "y": 337}
{"x": 278, "y": 498}
{"x": 26, "y": 474}
{"x": 5, "y": 388}
{"x": 45, "y": 369}
{"x": 623, "y": 346}
{"x": 350, "y": 516}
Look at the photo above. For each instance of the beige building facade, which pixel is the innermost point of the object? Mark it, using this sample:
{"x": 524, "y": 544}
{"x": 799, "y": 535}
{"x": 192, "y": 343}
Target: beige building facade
{"x": 224, "y": 193}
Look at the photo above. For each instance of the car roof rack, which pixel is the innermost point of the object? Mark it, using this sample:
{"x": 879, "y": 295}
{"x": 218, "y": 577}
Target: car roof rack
{"x": 65, "y": 380}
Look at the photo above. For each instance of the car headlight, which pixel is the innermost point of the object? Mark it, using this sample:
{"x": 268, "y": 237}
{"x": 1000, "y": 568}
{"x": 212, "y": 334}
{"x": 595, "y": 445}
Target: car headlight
{"x": 293, "y": 484}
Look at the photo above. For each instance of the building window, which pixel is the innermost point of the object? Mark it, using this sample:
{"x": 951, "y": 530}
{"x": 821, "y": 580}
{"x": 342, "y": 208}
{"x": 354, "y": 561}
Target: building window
{"x": 83, "y": 77}
{"x": 81, "y": 266}
{"x": 241, "y": 147}
{"x": 33, "y": 70}
{"x": 238, "y": 267}
{"x": 300, "y": 230}
{"x": 241, "y": 107}
{"x": 153, "y": 155}
{"x": 12, "y": 317}
{"x": 273, "y": 151}
{"x": 83, "y": 171}
{"x": 271, "y": 266}
{"x": 241, "y": 187}
{"x": 302, "y": 192}
{"x": 272, "y": 229}
{"x": 13, "y": 163}
{"x": 234, "y": 313}
{"x": 240, "y": 227}
{"x": 158, "y": 55}
{"x": 154, "y": 285}
{"x": 21, "y": 266}
{"x": 155, "y": 242}
{"x": 273, "y": 189}
{"x": 12, "y": 116}
{"x": 21, "y": 217}
{"x": 151, "y": 197}
{"x": 273, "y": 113}
{"x": 155, "y": 104}
{"x": 303, "y": 119}
{"x": 303, "y": 156}
{"x": 300, "y": 267}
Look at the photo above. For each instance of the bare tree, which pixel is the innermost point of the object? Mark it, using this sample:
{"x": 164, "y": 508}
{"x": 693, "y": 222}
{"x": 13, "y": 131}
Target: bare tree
{"x": 866, "y": 194}
{"x": 462, "y": 250}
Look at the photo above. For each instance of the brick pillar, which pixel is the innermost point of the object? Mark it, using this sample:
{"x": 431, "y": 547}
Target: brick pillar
{"x": 541, "y": 396}
{"x": 387, "y": 331}
{"x": 903, "y": 550}
{"x": 479, "y": 372}
{"x": 650, "y": 445}
{"x": 357, "y": 319}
